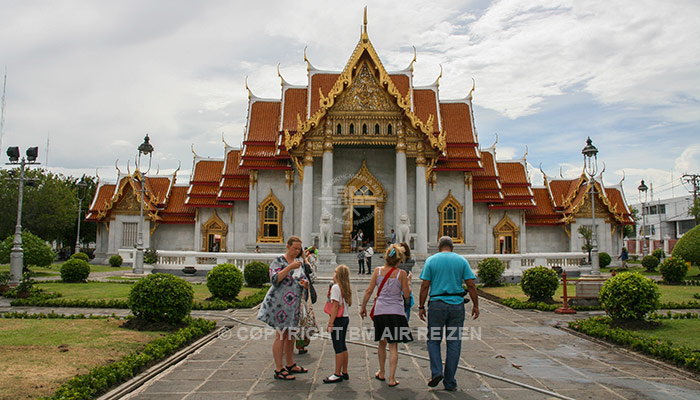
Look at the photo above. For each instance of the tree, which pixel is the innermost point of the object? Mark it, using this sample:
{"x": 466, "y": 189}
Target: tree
{"x": 629, "y": 230}
{"x": 694, "y": 210}
{"x": 587, "y": 233}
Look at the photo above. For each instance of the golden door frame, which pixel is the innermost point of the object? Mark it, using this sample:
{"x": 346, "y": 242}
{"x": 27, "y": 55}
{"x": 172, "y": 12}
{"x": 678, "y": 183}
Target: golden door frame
{"x": 214, "y": 226}
{"x": 506, "y": 227}
{"x": 377, "y": 199}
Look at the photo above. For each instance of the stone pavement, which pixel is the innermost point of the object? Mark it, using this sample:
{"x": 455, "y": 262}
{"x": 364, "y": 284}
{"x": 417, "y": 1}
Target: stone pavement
{"x": 521, "y": 345}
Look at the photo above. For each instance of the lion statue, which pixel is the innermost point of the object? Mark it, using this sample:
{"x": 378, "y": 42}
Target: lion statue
{"x": 404, "y": 228}
{"x": 326, "y": 229}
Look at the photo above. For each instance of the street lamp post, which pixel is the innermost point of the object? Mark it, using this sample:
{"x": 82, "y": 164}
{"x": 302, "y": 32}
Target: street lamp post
{"x": 590, "y": 162}
{"x": 144, "y": 148}
{"x": 17, "y": 253}
{"x": 81, "y": 189}
{"x": 642, "y": 188}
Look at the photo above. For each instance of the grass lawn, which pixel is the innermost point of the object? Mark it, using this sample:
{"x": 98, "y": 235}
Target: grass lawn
{"x": 37, "y": 356}
{"x": 678, "y": 331}
{"x": 693, "y": 273}
{"x": 55, "y": 269}
{"x": 109, "y": 290}
{"x": 677, "y": 294}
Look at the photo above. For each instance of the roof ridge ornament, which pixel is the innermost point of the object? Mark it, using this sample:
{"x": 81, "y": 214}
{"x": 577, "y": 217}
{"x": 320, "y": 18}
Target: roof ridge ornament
{"x": 193, "y": 152}
{"x": 250, "y": 92}
{"x": 437, "y": 81}
{"x": 623, "y": 178}
{"x": 116, "y": 165}
{"x": 410, "y": 66}
{"x": 469, "y": 96}
{"x": 365, "y": 22}
{"x": 97, "y": 175}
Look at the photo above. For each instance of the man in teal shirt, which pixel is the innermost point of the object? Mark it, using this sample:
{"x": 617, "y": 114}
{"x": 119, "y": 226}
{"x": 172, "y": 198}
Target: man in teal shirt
{"x": 442, "y": 275}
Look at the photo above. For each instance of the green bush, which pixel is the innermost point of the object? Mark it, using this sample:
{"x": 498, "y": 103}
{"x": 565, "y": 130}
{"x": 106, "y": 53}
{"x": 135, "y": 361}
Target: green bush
{"x": 673, "y": 270}
{"x": 256, "y": 273}
{"x": 650, "y": 263}
{"x": 75, "y": 270}
{"x": 659, "y": 254}
{"x": 150, "y": 256}
{"x": 36, "y": 251}
{"x": 539, "y": 283}
{"x": 688, "y": 246}
{"x": 161, "y": 298}
{"x": 81, "y": 256}
{"x": 604, "y": 259}
{"x": 491, "y": 271}
{"x": 629, "y": 296}
{"x": 116, "y": 261}
{"x": 225, "y": 281}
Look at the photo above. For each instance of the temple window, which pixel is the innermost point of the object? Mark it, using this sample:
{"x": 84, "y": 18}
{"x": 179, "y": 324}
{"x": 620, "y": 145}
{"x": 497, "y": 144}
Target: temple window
{"x": 214, "y": 233}
{"x": 352, "y": 129}
{"x": 388, "y": 130}
{"x": 364, "y": 129}
{"x": 450, "y": 212}
{"x": 270, "y": 210}
{"x": 339, "y": 129}
{"x": 506, "y": 235}
{"x": 376, "y": 129}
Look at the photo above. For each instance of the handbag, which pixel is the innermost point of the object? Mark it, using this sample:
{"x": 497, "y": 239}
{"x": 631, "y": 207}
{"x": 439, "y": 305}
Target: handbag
{"x": 391, "y": 271}
{"x": 328, "y": 308}
{"x": 307, "y": 321}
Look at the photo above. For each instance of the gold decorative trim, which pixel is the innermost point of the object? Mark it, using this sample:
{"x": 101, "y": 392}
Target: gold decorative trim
{"x": 468, "y": 180}
{"x": 451, "y": 200}
{"x": 214, "y": 225}
{"x": 271, "y": 198}
{"x": 364, "y": 177}
{"x": 253, "y": 178}
{"x": 289, "y": 178}
{"x": 506, "y": 227}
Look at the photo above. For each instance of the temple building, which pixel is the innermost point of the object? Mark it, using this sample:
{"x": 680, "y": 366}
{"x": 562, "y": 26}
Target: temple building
{"x": 362, "y": 148}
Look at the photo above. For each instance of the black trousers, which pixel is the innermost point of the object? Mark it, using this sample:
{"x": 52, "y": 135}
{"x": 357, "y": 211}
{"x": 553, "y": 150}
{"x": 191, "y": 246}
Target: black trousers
{"x": 361, "y": 264}
{"x": 369, "y": 265}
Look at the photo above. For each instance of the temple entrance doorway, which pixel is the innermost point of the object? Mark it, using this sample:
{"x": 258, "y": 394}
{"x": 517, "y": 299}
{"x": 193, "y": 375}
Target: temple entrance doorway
{"x": 363, "y": 218}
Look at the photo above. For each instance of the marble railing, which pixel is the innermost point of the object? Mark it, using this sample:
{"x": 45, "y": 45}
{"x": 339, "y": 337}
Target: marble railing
{"x": 177, "y": 260}
{"x": 519, "y": 262}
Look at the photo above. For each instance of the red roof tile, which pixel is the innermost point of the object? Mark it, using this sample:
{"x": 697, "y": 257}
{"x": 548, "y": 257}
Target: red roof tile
{"x": 512, "y": 173}
{"x": 208, "y": 171}
{"x": 102, "y": 198}
{"x": 457, "y": 123}
{"x": 425, "y": 104}
{"x": 401, "y": 82}
{"x": 202, "y": 190}
{"x": 176, "y": 202}
{"x": 294, "y": 103}
{"x": 323, "y": 81}
{"x": 232, "y": 168}
{"x": 263, "y": 125}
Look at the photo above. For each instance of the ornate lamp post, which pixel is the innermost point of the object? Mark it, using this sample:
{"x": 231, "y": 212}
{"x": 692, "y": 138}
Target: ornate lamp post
{"x": 590, "y": 163}
{"x": 642, "y": 188}
{"x": 145, "y": 149}
{"x": 17, "y": 253}
{"x": 81, "y": 195}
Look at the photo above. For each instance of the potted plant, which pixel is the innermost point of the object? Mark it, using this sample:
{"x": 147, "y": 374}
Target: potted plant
{"x": 189, "y": 270}
{"x": 150, "y": 257}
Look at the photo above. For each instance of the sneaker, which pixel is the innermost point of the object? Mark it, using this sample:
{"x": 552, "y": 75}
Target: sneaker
{"x": 333, "y": 379}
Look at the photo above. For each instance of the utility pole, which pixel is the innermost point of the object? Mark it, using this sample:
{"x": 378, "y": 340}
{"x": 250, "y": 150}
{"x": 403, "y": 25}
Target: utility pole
{"x": 694, "y": 179}
{"x": 2, "y": 111}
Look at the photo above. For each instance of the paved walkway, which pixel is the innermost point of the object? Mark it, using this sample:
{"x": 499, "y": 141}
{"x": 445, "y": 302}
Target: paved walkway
{"x": 521, "y": 345}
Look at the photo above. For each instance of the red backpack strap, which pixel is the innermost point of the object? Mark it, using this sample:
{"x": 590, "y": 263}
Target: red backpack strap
{"x": 391, "y": 271}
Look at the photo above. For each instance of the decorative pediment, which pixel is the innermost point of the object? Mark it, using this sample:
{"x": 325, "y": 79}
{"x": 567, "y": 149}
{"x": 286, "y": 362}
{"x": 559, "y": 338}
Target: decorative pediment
{"x": 215, "y": 225}
{"x": 364, "y": 186}
{"x": 365, "y": 95}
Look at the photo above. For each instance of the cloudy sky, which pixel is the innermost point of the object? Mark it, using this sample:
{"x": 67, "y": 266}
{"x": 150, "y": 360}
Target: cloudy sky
{"x": 95, "y": 77}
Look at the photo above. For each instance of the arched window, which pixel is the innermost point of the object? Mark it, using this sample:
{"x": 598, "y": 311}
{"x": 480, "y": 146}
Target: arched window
{"x": 450, "y": 212}
{"x": 352, "y": 129}
{"x": 376, "y": 129}
{"x": 339, "y": 130}
{"x": 270, "y": 210}
{"x": 388, "y": 130}
{"x": 364, "y": 129}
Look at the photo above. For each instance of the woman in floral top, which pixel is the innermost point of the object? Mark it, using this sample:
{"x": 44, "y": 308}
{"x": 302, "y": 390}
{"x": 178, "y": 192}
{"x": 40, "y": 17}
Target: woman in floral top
{"x": 281, "y": 305}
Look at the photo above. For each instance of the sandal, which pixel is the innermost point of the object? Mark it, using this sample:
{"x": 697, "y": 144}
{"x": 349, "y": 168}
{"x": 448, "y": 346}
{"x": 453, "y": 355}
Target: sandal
{"x": 395, "y": 384}
{"x": 284, "y": 375}
{"x": 333, "y": 379}
{"x": 376, "y": 376}
{"x": 300, "y": 370}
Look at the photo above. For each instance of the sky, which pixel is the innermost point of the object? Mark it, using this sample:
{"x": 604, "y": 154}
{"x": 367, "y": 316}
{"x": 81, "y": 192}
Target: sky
{"x": 92, "y": 78}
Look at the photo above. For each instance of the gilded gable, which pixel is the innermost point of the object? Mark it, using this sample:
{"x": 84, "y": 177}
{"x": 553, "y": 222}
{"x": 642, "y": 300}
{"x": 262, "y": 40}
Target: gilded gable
{"x": 364, "y": 95}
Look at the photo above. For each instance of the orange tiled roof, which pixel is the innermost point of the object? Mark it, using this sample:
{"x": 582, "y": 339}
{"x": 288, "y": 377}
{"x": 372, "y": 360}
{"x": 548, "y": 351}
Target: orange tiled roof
{"x": 457, "y": 123}
{"x": 294, "y": 103}
{"x": 233, "y": 160}
{"x": 488, "y": 197}
{"x": 486, "y": 185}
{"x": 176, "y": 203}
{"x": 265, "y": 164}
{"x": 323, "y": 81}
{"x": 258, "y": 151}
{"x": 204, "y": 202}
{"x": 103, "y": 196}
{"x": 196, "y": 190}
{"x": 618, "y": 202}
{"x": 424, "y": 104}
{"x": 158, "y": 186}
{"x": 489, "y": 167}
{"x": 263, "y": 125}
{"x": 401, "y": 82}
{"x": 445, "y": 164}
{"x": 516, "y": 192}
{"x": 207, "y": 171}
{"x": 462, "y": 153}
{"x": 543, "y": 213}
{"x": 512, "y": 173}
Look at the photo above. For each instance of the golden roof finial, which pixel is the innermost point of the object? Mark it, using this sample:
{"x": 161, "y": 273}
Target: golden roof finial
{"x": 280, "y": 74}
{"x": 308, "y": 63}
{"x": 250, "y": 94}
{"x": 116, "y": 165}
{"x": 437, "y": 81}
{"x": 414, "y": 58}
{"x": 193, "y": 152}
{"x": 621, "y": 180}
{"x": 472, "y": 89}
{"x": 365, "y": 21}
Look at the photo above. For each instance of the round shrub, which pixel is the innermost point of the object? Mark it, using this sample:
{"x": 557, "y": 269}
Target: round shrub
{"x": 490, "y": 271}
{"x": 688, "y": 246}
{"x": 604, "y": 259}
{"x": 81, "y": 256}
{"x": 673, "y": 270}
{"x": 659, "y": 254}
{"x": 650, "y": 263}
{"x": 539, "y": 283}
{"x": 116, "y": 261}
{"x": 629, "y": 296}
{"x": 161, "y": 298}
{"x": 36, "y": 251}
{"x": 256, "y": 273}
{"x": 225, "y": 281}
{"x": 75, "y": 270}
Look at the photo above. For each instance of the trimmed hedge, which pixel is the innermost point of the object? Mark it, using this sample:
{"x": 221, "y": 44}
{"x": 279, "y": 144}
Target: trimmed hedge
{"x": 116, "y": 261}
{"x": 659, "y": 254}
{"x": 516, "y": 304}
{"x": 539, "y": 283}
{"x": 102, "y": 378}
{"x": 225, "y": 281}
{"x": 75, "y": 270}
{"x": 490, "y": 271}
{"x": 650, "y": 262}
{"x": 673, "y": 270}
{"x": 599, "y": 327}
{"x": 604, "y": 259}
{"x": 256, "y": 273}
{"x": 36, "y": 251}
{"x": 629, "y": 296}
{"x": 688, "y": 246}
{"x": 161, "y": 298}
{"x": 81, "y": 256}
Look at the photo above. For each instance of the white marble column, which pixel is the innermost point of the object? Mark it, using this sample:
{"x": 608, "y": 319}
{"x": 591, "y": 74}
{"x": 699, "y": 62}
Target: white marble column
{"x": 307, "y": 200}
{"x": 421, "y": 208}
{"x": 327, "y": 195}
{"x": 523, "y": 234}
{"x": 253, "y": 209}
{"x": 468, "y": 217}
{"x": 401, "y": 187}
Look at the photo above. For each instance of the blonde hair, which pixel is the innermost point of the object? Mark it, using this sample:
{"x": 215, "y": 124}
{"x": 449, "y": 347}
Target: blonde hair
{"x": 342, "y": 278}
{"x": 394, "y": 255}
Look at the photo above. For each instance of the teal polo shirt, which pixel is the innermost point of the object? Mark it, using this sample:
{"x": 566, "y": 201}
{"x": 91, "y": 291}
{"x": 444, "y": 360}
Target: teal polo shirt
{"x": 446, "y": 272}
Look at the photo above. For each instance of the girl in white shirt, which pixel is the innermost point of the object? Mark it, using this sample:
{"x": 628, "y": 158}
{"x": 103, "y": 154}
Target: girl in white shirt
{"x": 340, "y": 295}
